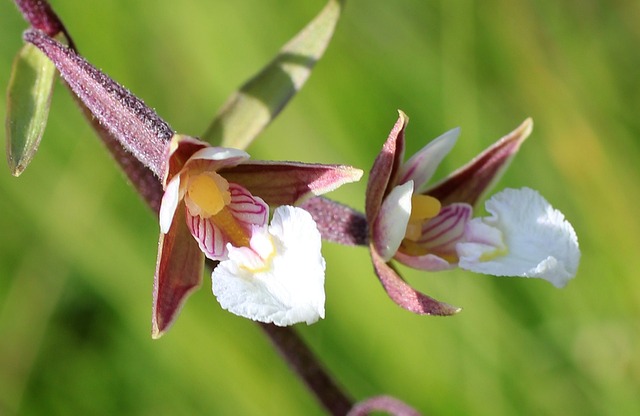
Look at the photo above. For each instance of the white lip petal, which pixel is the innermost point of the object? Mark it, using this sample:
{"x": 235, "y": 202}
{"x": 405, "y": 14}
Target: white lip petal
{"x": 280, "y": 279}
{"x": 390, "y": 226}
{"x": 525, "y": 236}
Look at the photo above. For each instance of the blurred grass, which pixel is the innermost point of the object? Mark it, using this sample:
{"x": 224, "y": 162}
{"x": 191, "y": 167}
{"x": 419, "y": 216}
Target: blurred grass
{"x": 77, "y": 249}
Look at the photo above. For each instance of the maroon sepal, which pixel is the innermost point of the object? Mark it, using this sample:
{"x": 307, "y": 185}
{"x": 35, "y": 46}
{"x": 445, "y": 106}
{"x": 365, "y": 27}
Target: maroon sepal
{"x": 179, "y": 269}
{"x": 469, "y": 183}
{"x": 404, "y": 295}
{"x": 385, "y": 168}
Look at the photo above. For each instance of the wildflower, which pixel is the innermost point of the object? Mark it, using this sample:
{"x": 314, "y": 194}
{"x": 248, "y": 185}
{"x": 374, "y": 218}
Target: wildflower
{"x": 267, "y": 273}
{"x": 430, "y": 227}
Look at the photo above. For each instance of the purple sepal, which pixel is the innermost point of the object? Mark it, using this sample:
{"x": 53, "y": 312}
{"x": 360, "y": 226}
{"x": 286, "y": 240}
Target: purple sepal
{"x": 404, "y": 295}
{"x": 469, "y": 183}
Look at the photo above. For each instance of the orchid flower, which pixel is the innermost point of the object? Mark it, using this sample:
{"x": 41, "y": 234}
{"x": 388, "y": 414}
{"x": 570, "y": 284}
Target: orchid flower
{"x": 216, "y": 204}
{"x": 431, "y": 227}
{"x": 213, "y": 203}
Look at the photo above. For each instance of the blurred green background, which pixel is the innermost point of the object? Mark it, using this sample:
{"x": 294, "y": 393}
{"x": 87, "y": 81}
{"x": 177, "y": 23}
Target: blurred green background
{"x": 78, "y": 247}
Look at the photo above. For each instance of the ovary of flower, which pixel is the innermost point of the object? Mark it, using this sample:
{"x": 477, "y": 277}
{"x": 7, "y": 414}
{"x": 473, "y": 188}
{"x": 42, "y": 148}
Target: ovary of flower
{"x": 279, "y": 277}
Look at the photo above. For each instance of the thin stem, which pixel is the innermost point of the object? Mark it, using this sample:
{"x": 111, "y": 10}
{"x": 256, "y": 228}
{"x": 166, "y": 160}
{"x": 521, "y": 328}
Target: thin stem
{"x": 302, "y": 360}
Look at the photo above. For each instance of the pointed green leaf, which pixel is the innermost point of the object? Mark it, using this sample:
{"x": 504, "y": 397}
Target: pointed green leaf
{"x": 249, "y": 110}
{"x": 28, "y": 102}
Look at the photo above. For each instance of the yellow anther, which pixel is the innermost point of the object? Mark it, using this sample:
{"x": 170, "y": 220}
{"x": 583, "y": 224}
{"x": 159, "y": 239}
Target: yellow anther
{"x": 209, "y": 192}
{"x": 424, "y": 207}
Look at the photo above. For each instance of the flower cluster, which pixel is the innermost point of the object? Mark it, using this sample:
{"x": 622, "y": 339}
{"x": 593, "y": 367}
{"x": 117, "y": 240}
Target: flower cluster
{"x": 259, "y": 224}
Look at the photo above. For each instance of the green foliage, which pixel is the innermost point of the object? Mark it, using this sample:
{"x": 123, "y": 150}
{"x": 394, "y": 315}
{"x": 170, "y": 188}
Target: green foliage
{"x": 77, "y": 249}
{"x": 28, "y": 100}
{"x": 260, "y": 100}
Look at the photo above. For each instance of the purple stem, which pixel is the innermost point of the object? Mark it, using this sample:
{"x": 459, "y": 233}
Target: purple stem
{"x": 293, "y": 349}
{"x": 41, "y": 16}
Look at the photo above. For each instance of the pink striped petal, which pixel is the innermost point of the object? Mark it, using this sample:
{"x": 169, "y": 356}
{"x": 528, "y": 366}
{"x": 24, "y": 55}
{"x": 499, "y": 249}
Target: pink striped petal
{"x": 439, "y": 238}
{"x": 441, "y": 234}
{"x": 210, "y": 238}
{"x": 247, "y": 209}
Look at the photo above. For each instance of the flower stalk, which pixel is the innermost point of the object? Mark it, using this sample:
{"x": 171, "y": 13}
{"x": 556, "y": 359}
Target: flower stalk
{"x": 302, "y": 360}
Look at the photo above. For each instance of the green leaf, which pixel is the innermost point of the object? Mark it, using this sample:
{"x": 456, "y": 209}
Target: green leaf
{"x": 249, "y": 110}
{"x": 28, "y": 102}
